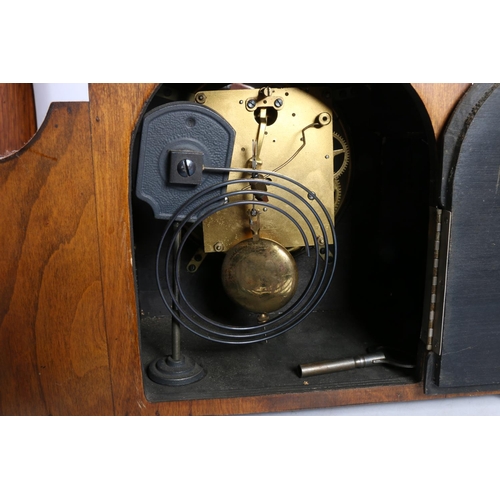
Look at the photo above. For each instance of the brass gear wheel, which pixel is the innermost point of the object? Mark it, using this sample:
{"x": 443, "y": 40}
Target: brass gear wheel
{"x": 337, "y": 184}
{"x": 344, "y": 149}
{"x": 337, "y": 195}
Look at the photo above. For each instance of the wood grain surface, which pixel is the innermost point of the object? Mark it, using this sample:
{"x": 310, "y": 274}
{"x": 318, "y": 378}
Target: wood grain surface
{"x": 17, "y": 116}
{"x": 69, "y": 334}
{"x": 439, "y": 99}
{"x": 53, "y": 350}
{"x": 114, "y": 112}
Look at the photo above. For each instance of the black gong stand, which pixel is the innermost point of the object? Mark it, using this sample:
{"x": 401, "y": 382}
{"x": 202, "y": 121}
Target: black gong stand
{"x": 176, "y": 369}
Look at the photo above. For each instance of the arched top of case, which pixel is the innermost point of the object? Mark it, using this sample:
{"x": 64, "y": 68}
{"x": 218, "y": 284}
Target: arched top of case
{"x": 438, "y": 100}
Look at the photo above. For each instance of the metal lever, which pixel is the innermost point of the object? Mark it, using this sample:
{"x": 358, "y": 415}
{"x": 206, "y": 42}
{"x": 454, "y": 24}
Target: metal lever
{"x": 377, "y": 357}
{"x": 254, "y": 221}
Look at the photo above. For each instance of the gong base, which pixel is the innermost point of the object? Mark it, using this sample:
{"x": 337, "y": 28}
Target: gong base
{"x": 167, "y": 371}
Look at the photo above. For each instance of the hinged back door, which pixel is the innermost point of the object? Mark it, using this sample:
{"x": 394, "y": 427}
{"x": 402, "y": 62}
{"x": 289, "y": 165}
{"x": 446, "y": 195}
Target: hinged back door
{"x": 466, "y": 352}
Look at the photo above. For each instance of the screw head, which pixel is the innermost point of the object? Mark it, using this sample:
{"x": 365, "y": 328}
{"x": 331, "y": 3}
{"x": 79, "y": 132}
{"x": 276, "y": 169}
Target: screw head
{"x": 263, "y": 318}
{"x": 251, "y": 104}
{"x": 278, "y": 103}
{"x": 186, "y": 168}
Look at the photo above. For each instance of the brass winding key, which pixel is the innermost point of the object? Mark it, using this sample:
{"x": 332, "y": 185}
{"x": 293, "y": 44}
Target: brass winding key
{"x": 381, "y": 355}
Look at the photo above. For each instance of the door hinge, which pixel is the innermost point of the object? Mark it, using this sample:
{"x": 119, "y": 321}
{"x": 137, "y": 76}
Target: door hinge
{"x": 440, "y": 224}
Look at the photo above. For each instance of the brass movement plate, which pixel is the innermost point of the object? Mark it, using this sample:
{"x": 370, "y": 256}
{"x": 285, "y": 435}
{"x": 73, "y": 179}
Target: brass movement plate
{"x": 279, "y": 146}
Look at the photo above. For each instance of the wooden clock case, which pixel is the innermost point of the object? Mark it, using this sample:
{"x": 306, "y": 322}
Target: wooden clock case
{"x": 70, "y": 323}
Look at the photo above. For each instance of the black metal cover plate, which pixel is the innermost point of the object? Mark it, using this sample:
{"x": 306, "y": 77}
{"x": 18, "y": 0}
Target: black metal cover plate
{"x": 180, "y": 126}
